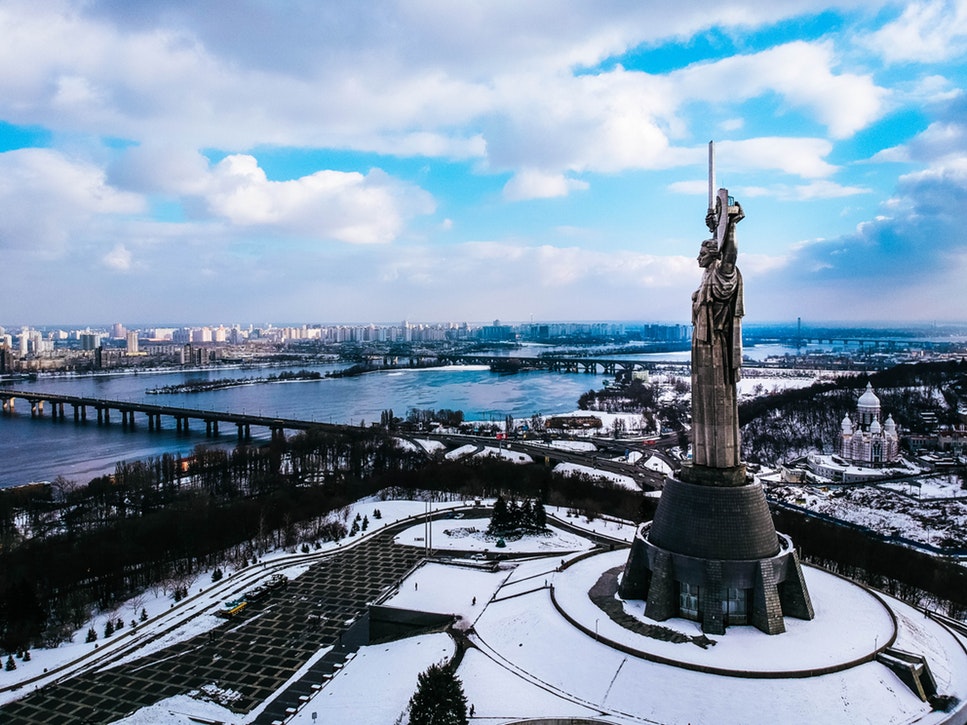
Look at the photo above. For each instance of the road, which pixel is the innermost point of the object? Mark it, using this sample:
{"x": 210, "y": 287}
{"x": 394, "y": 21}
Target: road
{"x": 647, "y": 479}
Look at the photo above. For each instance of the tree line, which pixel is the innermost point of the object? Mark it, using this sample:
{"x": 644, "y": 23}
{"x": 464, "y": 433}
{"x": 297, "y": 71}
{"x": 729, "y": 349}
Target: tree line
{"x": 70, "y": 550}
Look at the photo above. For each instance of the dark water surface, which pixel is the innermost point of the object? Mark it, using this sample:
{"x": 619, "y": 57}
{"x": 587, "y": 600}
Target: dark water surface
{"x": 40, "y": 449}
{"x": 36, "y": 449}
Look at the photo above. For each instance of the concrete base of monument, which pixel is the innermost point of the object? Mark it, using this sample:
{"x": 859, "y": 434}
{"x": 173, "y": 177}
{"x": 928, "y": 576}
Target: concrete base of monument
{"x": 825, "y": 670}
{"x": 851, "y": 626}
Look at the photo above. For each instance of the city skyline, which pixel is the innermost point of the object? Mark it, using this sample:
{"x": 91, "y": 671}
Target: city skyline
{"x": 385, "y": 161}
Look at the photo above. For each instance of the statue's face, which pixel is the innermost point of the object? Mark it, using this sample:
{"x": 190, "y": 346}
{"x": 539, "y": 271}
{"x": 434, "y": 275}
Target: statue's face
{"x": 707, "y": 254}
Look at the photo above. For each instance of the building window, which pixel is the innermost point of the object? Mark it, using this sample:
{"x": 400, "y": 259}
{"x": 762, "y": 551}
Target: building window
{"x": 736, "y": 607}
{"x": 688, "y": 599}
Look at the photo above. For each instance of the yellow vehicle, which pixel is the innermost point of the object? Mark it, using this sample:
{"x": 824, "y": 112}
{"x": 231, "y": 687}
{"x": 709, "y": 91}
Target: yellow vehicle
{"x": 232, "y": 608}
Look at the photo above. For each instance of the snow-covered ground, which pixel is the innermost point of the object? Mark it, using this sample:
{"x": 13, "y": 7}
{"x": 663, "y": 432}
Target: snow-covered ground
{"x": 829, "y": 639}
{"x": 471, "y": 535}
{"x": 348, "y": 697}
{"x": 657, "y": 463}
{"x": 522, "y": 635}
{"x": 528, "y": 661}
{"x": 488, "y": 452}
{"x": 763, "y": 381}
{"x": 576, "y": 469}
{"x": 163, "y": 613}
{"x": 932, "y": 487}
{"x": 376, "y": 686}
{"x": 886, "y": 510}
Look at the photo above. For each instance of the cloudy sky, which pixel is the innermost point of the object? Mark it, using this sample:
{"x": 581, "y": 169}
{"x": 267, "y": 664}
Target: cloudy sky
{"x": 442, "y": 160}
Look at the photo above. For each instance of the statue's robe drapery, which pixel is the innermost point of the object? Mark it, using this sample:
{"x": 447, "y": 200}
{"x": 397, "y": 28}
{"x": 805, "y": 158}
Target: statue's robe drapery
{"x": 717, "y": 311}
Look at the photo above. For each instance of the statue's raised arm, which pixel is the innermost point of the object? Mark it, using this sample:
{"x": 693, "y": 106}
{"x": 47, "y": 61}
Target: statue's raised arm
{"x": 729, "y": 249}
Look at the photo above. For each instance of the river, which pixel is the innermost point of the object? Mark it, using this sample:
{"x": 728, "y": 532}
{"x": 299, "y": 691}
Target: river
{"x": 36, "y": 449}
{"x": 39, "y": 449}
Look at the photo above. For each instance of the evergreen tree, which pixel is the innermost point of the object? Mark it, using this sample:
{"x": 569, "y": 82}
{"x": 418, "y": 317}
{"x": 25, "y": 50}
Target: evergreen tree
{"x": 11, "y": 665}
{"x": 513, "y": 516}
{"x": 500, "y": 518}
{"x": 109, "y": 628}
{"x": 540, "y": 516}
{"x": 526, "y": 516}
{"x": 439, "y": 698}
{"x": 144, "y": 614}
{"x": 91, "y": 635}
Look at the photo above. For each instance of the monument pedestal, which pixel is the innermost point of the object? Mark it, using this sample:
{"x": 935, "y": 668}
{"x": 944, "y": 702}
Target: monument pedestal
{"x": 712, "y": 554}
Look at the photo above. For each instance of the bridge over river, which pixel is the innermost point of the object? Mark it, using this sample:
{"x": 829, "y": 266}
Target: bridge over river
{"x": 129, "y": 412}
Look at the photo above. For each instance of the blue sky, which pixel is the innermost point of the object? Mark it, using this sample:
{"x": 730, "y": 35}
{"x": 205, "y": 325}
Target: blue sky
{"x": 243, "y": 161}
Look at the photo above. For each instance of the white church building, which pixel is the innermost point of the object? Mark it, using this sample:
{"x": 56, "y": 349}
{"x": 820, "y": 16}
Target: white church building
{"x": 866, "y": 448}
{"x": 865, "y": 441}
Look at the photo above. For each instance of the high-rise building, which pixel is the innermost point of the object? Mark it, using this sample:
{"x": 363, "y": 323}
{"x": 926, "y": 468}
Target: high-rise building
{"x": 90, "y": 340}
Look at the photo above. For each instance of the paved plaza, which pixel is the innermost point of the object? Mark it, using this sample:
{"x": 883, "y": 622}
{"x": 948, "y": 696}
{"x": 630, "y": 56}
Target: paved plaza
{"x": 251, "y": 657}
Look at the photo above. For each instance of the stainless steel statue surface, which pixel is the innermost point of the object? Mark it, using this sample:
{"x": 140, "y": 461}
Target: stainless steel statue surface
{"x": 717, "y": 311}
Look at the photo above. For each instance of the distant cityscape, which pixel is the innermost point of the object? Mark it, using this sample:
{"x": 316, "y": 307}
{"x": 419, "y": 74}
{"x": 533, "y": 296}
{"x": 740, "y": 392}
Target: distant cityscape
{"x": 32, "y": 350}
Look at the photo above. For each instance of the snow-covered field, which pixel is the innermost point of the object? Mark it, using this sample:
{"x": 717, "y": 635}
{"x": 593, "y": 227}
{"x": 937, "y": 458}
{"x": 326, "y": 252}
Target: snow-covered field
{"x": 471, "y": 535}
{"x": 376, "y": 686}
{"x": 760, "y": 381}
{"x": 931, "y": 487}
{"x": 576, "y": 469}
{"x": 884, "y": 509}
{"x": 827, "y": 640}
{"x": 347, "y": 698}
{"x": 549, "y": 657}
{"x": 472, "y": 450}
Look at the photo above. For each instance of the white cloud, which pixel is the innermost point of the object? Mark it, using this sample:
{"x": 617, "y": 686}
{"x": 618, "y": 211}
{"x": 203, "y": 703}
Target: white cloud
{"x": 160, "y": 168}
{"x": 534, "y": 184}
{"x": 490, "y": 82}
{"x": 926, "y": 32}
{"x": 51, "y": 201}
{"x": 823, "y": 189}
{"x": 118, "y": 259}
{"x": 882, "y": 270}
{"x": 348, "y": 207}
{"x": 801, "y": 73}
{"x": 521, "y": 90}
{"x": 511, "y": 280}
{"x": 691, "y": 187}
{"x": 941, "y": 145}
{"x": 803, "y": 157}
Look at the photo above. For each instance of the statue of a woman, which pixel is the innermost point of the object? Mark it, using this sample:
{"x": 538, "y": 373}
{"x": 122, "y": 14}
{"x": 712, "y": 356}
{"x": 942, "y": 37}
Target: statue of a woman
{"x": 717, "y": 312}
